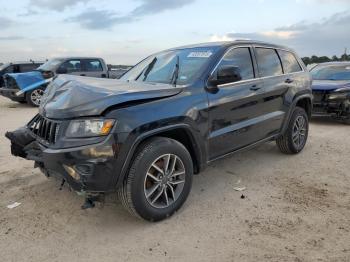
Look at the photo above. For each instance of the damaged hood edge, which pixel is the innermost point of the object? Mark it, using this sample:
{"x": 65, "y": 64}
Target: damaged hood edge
{"x": 72, "y": 96}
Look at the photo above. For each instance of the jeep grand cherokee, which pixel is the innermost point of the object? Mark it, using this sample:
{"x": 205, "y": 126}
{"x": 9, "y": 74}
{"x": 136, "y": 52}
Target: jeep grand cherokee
{"x": 168, "y": 117}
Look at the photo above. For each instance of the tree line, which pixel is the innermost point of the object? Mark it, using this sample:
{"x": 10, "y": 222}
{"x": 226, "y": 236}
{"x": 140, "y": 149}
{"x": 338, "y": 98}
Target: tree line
{"x": 323, "y": 59}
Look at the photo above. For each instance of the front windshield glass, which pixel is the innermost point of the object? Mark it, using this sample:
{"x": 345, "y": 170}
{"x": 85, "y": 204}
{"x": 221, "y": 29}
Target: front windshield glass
{"x": 171, "y": 67}
{"x": 2, "y": 67}
{"x": 337, "y": 72}
{"x": 50, "y": 65}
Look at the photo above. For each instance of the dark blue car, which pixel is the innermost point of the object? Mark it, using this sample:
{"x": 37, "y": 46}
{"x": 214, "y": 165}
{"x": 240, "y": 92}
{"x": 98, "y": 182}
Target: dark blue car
{"x": 331, "y": 90}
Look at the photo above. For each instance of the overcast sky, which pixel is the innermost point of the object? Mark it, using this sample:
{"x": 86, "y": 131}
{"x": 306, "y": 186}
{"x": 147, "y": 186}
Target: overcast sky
{"x": 123, "y": 32}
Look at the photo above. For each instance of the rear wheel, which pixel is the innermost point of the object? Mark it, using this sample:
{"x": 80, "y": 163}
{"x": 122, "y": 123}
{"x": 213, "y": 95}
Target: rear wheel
{"x": 159, "y": 180}
{"x": 33, "y": 97}
{"x": 295, "y": 137}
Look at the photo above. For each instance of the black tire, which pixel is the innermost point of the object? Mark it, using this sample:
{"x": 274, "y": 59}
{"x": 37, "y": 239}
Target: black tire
{"x": 32, "y": 99}
{"x": 285, "y": 142}
{"x": 133, "y": 192}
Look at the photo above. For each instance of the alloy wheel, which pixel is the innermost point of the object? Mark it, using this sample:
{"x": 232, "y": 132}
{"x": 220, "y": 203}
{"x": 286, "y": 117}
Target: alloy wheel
{"x": 299, "y": 132}
{"x": 36, "y": 96}
{"x": 164, "y": 181}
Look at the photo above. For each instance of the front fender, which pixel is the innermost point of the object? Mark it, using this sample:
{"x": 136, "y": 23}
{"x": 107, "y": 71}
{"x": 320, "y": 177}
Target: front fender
{"x": 148, "y": 134}
{"x": 34, "y": 86}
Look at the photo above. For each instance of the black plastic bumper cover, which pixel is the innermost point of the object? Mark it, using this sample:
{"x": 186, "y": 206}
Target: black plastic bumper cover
{"x": 86, "y": 169}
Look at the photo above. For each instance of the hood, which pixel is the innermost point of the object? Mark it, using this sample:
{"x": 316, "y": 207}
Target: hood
{"x": 23, "y": 80}
{"x": 75, "y": 96}
{"x": 328, "y": 85}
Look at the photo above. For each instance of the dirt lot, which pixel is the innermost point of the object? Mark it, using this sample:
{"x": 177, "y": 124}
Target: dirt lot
{"x": 297, "y": 208}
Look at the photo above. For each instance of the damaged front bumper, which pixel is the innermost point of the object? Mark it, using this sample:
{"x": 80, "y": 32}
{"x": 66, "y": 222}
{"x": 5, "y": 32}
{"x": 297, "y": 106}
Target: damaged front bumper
{"x": 332, "y": 103}
{"x": 12, "y": 93}
{"x": 87, "y": 169}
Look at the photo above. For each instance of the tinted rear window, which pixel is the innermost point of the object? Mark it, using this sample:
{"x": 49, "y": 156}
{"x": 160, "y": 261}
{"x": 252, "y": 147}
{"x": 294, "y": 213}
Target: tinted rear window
{"x": 93, "y": 65}
{"x": 290, "y": 63}
{"x": 268, "y": 62}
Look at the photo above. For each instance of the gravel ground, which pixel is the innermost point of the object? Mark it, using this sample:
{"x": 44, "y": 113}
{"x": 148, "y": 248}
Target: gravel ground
{"x": 296, "y": 208}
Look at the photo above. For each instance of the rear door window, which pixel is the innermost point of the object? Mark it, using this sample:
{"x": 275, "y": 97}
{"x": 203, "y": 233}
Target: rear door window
{"x": 269, "y": 63}
{"x": 93, "y": 65}
{"x": 290, "y": 63}
{"x": 72, "y": 66}
{"x": 241, "y": 58}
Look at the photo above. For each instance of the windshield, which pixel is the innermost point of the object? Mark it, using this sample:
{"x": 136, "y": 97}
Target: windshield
{"x": 336, "y": 72}
{"x": 171, "y": 67}
{"x": 50, "y": 65}
{"x": 2, "y": 67}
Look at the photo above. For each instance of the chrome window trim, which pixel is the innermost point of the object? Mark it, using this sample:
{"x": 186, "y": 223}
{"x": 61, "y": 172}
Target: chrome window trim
{"x": 256, "y": 78}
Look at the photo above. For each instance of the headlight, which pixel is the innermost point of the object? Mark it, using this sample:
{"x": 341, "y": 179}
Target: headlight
{"x": 89, "y": 128}
{"x": 340, "y": 93}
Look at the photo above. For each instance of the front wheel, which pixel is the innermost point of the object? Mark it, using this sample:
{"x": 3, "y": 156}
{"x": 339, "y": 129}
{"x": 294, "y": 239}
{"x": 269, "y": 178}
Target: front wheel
{"x": 159, "y": 180}
{"x": 294, "y": 139}
{"x": 33, "y": 97}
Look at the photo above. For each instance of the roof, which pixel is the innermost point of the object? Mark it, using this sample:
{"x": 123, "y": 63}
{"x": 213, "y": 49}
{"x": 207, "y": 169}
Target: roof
{"x": 24, "y": 62}
{"x": 77, "y": 57}
{"x": 338, "y": 63}
{"x": 230, "y": 43}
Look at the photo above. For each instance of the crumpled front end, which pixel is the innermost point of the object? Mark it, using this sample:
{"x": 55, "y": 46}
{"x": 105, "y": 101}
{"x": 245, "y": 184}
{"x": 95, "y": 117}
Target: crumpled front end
{"x": 332, "y": 102}
{"x": 87, "y": 169}
{"x": 16, "y": 85}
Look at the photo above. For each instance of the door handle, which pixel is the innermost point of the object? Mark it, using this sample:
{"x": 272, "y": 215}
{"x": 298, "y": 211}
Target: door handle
{"x": 255, "y": 88}
{"x": 289, "y": 81}
{"x": 82, "y": 74}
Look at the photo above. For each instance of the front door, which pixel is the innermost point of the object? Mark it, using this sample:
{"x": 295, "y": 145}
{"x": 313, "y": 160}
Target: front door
{"x": 235, "y": 110}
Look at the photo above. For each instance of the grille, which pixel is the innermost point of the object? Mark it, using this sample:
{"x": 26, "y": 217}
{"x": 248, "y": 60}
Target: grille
{"x": 44, "y": 128}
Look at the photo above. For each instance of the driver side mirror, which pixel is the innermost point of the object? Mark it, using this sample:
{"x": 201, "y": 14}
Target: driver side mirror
{"x": 226, "y": 74}
{"x": 62, "y": 70}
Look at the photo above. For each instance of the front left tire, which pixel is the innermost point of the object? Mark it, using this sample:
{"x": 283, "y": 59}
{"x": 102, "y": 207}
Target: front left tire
{"x": 159, "y": 180}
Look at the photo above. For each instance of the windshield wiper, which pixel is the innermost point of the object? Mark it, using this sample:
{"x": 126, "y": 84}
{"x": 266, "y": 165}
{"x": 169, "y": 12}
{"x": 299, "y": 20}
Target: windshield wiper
{"x": 176, "y": 71}
{"x": 149, "y": 68}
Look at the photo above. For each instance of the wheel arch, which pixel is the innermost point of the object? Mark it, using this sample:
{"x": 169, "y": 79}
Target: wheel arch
{"x": 304, "y": 101}
{"x": 182, "y": 133}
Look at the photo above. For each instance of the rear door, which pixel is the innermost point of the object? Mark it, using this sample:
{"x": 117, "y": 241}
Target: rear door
{"x": 73, "y": 67}
{"x": 275, "y": 87}
{"x": 236, "y": 108}
{"x": 93, "y": 68}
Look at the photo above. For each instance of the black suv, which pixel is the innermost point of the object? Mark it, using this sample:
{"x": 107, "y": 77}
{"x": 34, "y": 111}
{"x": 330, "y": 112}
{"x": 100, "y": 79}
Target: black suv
{"x": 176, "y": 111}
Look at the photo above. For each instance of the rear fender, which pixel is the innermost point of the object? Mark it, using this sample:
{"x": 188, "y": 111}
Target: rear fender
{"x": 292, "y": 107}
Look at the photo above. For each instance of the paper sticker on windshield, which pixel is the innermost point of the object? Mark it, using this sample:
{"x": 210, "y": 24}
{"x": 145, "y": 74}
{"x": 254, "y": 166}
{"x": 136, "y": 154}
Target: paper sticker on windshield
{"x": 199, "y": 54}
